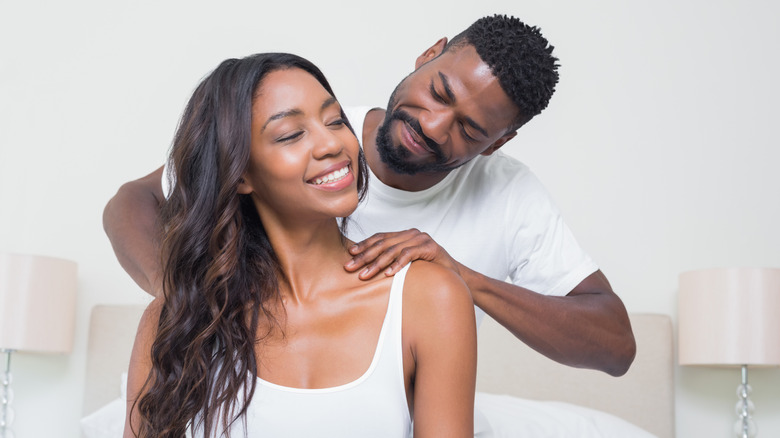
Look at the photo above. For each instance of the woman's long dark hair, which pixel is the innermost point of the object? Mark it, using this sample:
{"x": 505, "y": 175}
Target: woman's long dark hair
{"x": 220, "y": 271}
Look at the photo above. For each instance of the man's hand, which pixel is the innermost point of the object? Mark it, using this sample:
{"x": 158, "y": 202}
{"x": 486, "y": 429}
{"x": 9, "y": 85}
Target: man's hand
{"x": 389, "y": 252}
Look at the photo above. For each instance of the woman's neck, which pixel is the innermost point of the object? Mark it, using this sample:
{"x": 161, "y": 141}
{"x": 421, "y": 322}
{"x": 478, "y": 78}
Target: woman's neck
{"x": 311, "y": 256}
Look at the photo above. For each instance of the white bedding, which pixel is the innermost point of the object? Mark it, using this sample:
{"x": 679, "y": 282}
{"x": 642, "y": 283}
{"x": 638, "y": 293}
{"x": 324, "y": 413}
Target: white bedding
{"x": 504, "y": 416}
{"x": 496, "y": 416}
{"x": 109, "y": 420}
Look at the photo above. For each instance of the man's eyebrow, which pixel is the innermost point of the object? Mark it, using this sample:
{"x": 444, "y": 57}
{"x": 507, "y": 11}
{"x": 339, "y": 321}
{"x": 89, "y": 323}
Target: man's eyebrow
{"x": 448, "y": 90}
{"x": 475, "y": 125}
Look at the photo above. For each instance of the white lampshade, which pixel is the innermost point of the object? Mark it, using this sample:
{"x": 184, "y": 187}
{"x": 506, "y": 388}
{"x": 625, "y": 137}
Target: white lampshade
{"x": 37, "y": 303}
{"x": 729, "y": 316}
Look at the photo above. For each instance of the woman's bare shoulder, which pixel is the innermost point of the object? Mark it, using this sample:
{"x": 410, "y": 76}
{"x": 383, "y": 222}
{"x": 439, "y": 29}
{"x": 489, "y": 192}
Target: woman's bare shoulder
{"x": 436, "y": 293}
{"x": 432, "y": 279}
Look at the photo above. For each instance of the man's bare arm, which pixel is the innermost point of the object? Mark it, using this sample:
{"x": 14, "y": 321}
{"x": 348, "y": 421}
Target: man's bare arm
{"x": 130, "y": 221}
{"x": 588, "y": 328}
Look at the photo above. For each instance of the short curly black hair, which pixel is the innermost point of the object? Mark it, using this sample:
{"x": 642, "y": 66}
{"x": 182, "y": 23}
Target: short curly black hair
{"x": 520, "y": 58}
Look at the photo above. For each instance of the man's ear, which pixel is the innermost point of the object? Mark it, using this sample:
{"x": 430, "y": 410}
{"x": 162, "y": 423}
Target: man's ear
{"x": 243, "y": 187}
{"x": 498, "y": 143}
{"x": 430, "y": 53}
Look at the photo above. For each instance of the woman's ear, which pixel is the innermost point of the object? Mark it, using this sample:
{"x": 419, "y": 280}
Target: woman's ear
{"x": 243, "y": 187}
{"x": 431, "y": 52}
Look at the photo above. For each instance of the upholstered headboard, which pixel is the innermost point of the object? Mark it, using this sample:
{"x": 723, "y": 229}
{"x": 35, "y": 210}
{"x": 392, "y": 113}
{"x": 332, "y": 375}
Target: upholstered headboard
{"x": 644, "y": 395}
{"x": 111, "y": 336}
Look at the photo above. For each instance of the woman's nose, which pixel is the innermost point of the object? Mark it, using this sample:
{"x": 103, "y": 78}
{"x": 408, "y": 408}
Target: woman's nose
{"x": 326, "y": 143}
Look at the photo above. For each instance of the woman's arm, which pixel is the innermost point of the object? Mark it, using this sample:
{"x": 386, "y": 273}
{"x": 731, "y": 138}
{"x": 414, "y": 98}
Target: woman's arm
{"x": 140, "y": 363}
{"x": 439, "y": 324}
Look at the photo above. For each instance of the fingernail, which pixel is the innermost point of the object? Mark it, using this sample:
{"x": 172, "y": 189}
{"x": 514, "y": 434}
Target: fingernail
{"x": 364, "y": 272}
{"x": 389, "y": 271}
{"x": 350, "y": 264}
{"x": 353, "y": 248}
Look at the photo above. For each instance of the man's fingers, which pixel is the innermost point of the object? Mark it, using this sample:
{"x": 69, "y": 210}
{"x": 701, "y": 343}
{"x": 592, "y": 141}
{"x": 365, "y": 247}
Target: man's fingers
{"x": 389, "y": 252}
{"x": 407, "y": 256}
{"x": 369, "y": 249}
{"x": 380, "y": 238}
{"x": 366, "y": 255}
{"x": 398, "y": 256}
{"x": 380, "y": 262}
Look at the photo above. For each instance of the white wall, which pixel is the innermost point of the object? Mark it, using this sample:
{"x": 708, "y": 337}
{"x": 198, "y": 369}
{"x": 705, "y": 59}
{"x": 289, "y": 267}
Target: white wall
{"x": 660, "y": 145}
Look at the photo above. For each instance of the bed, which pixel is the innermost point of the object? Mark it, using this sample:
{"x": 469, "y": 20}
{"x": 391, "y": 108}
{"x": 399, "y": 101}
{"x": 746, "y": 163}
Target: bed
{"x": 514, "y": 382}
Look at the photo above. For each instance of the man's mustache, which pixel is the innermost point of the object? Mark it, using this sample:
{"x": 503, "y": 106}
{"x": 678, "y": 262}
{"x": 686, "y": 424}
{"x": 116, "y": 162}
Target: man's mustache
{"x": 415, "y": 125}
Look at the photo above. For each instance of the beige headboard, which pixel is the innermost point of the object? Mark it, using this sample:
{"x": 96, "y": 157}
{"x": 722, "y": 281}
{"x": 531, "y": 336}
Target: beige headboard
{"x": 111, "y": 336}
{"x": 644, "y": 396}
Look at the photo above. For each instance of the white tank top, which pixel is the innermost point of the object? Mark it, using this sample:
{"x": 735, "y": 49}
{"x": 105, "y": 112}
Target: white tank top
{"x": 372, "y": 406}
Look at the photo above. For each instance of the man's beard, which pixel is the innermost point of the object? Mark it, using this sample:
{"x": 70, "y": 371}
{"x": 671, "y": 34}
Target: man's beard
{"x": 396, "y": 156}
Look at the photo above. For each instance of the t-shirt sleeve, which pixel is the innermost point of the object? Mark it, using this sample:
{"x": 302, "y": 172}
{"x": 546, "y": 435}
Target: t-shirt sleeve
{"x": 544, "y": 255}
{"x": 168, "y": 179}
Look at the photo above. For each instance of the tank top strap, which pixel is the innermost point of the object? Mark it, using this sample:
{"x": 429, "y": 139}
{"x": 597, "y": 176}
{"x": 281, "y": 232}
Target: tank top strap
{"x": 394, "y": 308}
{"x": 392, "y": 351}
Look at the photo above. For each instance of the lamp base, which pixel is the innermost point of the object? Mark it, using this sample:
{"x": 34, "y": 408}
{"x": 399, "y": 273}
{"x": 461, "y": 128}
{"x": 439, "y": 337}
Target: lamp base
{"x": 6, "y": 397}
{"x": 745, "y": 426}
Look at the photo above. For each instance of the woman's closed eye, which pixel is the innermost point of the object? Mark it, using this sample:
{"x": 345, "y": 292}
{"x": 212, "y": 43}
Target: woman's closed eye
{"x": 339, "y": 122}
{"x": 288, "y": 137}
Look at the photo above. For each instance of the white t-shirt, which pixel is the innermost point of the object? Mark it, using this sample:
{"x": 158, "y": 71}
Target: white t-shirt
{"x": 492, "y": 215}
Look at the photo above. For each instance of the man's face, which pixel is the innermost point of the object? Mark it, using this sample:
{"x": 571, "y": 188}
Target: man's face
{"x": 445, "y": 113}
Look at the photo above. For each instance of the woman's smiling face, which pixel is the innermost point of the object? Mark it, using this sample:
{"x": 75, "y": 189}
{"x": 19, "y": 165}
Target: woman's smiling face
{"x": 304, "y": 157}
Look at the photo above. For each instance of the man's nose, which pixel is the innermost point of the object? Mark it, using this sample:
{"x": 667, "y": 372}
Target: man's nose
{"x": 436, "y": 124}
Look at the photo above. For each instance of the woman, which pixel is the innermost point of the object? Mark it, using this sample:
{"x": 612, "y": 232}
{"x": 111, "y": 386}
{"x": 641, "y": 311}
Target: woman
{"x": 260, "y": 330}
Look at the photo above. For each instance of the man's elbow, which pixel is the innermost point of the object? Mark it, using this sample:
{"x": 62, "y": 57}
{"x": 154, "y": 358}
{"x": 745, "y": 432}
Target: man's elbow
{"x": 623, "y": 356}
{"x": 109, "y": 216}
{"x": 116, "y": 206}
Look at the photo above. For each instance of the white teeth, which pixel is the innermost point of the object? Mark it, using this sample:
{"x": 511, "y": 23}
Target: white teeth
{"x": 333, "y": 176}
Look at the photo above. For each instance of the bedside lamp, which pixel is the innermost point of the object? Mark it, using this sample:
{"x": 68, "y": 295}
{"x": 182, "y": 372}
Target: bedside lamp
{"x": 37, "y": 314}
{"x": 731, "y": 317}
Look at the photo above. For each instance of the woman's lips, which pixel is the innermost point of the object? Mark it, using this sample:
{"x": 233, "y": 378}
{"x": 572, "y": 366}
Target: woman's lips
{"x": 334, "y": 178}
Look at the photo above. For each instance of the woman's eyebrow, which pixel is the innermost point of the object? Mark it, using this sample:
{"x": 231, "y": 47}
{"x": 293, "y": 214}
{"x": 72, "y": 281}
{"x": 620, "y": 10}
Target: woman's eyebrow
{"x": 295, "y": 112}
{"x": 328, "y": 102}
{"x": 280, "y": 115}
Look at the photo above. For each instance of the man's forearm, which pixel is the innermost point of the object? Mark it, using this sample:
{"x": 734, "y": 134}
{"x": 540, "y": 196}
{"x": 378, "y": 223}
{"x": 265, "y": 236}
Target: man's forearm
{"x": 130, "y": 222}
{"x": 589, "y": 328}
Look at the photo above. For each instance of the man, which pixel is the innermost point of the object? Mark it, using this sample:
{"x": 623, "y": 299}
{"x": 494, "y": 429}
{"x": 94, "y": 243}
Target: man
{"x": 435, "y": 167}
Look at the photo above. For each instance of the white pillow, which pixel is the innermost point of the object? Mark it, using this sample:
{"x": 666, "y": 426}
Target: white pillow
{"x": 504, "y": 416}
{"x": 108, "y": 421}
